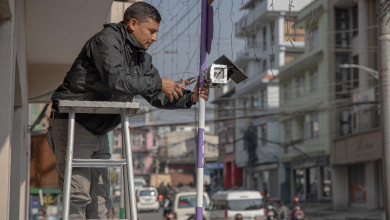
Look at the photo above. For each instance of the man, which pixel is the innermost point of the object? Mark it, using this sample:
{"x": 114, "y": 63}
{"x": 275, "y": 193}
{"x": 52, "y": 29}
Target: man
{"x": 112, "y": 66}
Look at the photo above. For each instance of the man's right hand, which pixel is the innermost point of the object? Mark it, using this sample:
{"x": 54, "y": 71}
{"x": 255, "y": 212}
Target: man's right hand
{"x": 171, "y": 89}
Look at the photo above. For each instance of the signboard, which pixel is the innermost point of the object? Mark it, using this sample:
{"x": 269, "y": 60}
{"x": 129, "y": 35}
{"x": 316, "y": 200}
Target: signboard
{"x": 357, "y": 148}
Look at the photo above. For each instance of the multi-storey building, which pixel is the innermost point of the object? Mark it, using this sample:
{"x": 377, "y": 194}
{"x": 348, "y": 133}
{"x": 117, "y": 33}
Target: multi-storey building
{"x": 250, "y": 143}
{"x": 356, "y": 154}
{"x": 305, "y": 133}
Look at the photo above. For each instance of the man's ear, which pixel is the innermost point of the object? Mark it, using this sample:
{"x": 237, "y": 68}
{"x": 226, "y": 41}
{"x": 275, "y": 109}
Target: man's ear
{"x": 132, "y": 24}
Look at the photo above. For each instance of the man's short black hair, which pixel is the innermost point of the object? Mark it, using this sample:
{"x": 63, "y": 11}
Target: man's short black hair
{"x": 141, "y": 11}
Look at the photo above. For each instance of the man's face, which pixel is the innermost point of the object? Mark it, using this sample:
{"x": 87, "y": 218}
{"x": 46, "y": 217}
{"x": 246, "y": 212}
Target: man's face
{"x": 145, "y": 32}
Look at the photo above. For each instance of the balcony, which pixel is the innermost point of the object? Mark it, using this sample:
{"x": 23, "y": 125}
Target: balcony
{"x": 246, "y": 55}
{"x": 261, "y": 13}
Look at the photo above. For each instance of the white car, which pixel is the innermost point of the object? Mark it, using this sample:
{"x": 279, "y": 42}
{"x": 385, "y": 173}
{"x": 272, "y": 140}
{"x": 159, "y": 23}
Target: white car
{"x": 147, "y": 199}
{"x": 184, "y": 203}
{"x": 231, "y": 205}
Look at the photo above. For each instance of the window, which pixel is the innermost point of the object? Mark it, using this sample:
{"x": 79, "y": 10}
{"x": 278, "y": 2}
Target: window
{"x": 139, "y": 162}
{"x": 312, "y": 127}
{"x": 342, "y": 25}
{"x": 189, "y": 201}
{"x": 255, "y": 101}
{"x": 355, "y": 20}
{"x": 219, "y": 205}
{"x": 272, "y": 58}
{"x": 264, "y": 38}
{"x": 138, "y": 139}
{"x": 298, "y": 33}
{"x": 264, "y": 98}
{"x": 147, "y": 193}
{"x": 264, "y": 134}
{"x": 314, "y": 81}
{"x": 300, "y": 86}
{"x": 355, "y": 82}
{"x": 229, "y": 140}
{"x": 287, "y": 135}
{"x": 244, "y": 204}
{"x": 253, "y": 41}
{"x": 287, "y": 91}
{"x": 264, "y": 65}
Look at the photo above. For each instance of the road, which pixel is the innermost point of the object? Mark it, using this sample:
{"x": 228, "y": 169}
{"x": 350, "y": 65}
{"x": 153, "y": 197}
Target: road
{"x": 141, "y": 215}
{"x": 150, "y": 215}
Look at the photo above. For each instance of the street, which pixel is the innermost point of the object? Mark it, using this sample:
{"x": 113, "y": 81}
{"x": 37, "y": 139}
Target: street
{"x": 150, "y": 215}
{"x": 141, "y": 215}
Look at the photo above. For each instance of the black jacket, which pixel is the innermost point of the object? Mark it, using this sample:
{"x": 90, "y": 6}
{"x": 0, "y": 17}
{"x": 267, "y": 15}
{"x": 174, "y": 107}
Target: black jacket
{"x": 112, "y": 66}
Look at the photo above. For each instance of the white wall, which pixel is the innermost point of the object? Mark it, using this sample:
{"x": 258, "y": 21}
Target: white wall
{"x": 282, "y": 5}
{"x": 14, "y": 139}
{"x": 7, "y": 64}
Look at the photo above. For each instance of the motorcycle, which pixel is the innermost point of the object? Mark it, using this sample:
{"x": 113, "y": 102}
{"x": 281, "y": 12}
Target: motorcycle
{"x": 271, "y": 212}
{"x": 161, "y": 200}
{"x": 168, "y": 213}
{"x": 297, "y": 213}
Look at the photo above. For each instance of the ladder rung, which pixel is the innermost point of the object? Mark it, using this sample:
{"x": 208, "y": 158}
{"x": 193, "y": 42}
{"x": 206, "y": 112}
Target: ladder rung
{"x": 98, "y": 162}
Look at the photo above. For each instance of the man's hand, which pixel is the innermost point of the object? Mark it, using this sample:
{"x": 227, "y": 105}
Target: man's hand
{"x": 171, "y": 89}
{"x": 204, "y": 92}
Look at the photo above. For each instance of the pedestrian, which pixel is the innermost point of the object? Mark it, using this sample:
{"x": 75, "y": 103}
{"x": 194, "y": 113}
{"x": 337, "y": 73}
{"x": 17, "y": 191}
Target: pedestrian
{"x": 282, "y": 210}
{"x": 112, "y": 66}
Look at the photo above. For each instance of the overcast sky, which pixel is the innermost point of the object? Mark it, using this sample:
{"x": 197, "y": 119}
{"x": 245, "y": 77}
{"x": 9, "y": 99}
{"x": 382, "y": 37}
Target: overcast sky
{"x": 179, "y": 31}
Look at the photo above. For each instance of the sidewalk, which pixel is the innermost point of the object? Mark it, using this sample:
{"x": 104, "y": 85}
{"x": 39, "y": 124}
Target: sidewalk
{"x": 323, "y": 211}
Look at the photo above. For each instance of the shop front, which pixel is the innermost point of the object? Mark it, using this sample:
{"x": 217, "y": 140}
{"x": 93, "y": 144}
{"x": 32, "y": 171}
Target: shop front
{"x": 356, "y": 163}
{"x": 311, "y": 179}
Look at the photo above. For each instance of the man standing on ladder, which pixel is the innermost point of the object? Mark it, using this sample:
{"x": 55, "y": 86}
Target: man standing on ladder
{"x": 112, "y": 66}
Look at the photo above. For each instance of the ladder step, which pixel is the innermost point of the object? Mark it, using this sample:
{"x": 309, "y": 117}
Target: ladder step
{"x": 98, "y": 162}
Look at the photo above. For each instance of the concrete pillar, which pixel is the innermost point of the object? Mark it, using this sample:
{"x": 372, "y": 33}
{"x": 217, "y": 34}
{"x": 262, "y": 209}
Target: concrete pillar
{"x": 7, "y": 64}
{"x": 20, "y": 151}
{"x": 19, "y": 166}
{"x": 372, "y": 197}
{"x": 293, "y": 187}
{"x": 320, "y": 188}
{"x": 340, "y": 188}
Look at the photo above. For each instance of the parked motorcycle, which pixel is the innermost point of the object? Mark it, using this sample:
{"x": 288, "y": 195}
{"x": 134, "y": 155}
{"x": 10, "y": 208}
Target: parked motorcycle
{"x": 297, "y": 213}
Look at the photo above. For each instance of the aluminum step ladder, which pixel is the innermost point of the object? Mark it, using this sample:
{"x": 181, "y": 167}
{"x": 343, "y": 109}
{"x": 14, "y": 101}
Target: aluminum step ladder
{"x": 124, "y": 109}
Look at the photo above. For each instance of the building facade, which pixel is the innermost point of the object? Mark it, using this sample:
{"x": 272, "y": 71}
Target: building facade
{"x": 356, "y": 153}
{"x": 304, "y": 130}
{"x": 267, "y": 33}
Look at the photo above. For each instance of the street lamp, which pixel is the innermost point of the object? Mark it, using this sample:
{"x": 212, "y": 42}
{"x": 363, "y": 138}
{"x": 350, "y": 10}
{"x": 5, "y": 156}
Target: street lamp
{"x": 373, "y": 72}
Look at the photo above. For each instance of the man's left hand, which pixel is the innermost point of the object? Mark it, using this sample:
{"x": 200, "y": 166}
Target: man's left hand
{"x": 203, "y": 91}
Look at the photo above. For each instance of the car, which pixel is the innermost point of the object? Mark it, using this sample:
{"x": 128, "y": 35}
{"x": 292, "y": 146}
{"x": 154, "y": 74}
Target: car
{"x": 147, "y": 199}
{"x": 138, "y": 183}
{"x": 240, "y": 204}
{"x": 184, "y": 203}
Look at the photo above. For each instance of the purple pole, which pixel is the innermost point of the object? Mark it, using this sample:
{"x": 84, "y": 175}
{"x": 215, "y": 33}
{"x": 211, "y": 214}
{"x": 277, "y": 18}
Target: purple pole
{"x": 202, "y": 107}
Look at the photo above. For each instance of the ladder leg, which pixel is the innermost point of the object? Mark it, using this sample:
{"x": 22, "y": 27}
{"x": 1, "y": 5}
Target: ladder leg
{"x": 68, "y": 168}
{"x": 129, "y": 164}
{"x": 125, "y": 180}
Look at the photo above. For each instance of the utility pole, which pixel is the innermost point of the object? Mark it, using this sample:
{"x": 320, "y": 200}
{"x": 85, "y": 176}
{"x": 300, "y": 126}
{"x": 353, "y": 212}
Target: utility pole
{"x": 202, "y": 109}
{"x": 157, "y": 167}
{"x": 384, "y": 73}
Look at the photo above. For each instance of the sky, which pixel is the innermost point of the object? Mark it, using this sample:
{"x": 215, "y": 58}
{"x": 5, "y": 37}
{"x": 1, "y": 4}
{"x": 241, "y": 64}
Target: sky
{"x": 179, "y": 32}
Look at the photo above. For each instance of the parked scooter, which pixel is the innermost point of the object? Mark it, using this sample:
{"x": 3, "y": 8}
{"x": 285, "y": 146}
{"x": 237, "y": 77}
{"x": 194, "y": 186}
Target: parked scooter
{"x": 297, "y": 213}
